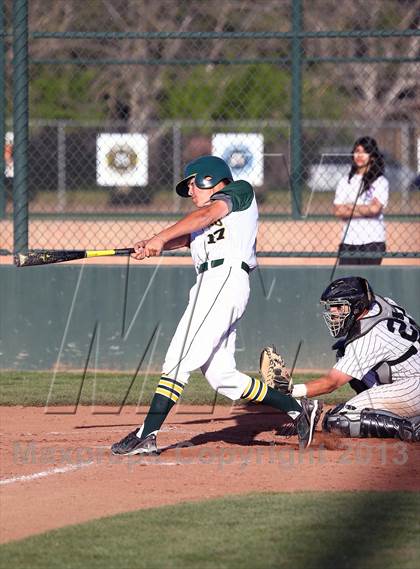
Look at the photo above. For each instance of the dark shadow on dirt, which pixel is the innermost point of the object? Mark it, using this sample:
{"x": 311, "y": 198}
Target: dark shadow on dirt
{"x": 248, "y": 426}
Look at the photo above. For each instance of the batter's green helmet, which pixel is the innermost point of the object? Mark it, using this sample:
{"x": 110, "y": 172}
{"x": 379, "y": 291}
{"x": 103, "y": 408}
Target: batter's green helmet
{"x": 208, "y": 171}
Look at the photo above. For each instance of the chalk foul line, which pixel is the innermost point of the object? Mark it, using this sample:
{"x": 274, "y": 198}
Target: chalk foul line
{"x": 44, "y": 473}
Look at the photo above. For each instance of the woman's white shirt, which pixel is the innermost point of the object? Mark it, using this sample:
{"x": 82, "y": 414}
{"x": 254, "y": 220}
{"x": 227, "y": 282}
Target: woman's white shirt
{"x": 361, "y": 230}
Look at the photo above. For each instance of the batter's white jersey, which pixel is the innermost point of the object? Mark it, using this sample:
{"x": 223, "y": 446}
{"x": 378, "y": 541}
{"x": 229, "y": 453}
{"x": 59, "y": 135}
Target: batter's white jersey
{"x": 233, "y": 237}
{"x": 387, "y": 340}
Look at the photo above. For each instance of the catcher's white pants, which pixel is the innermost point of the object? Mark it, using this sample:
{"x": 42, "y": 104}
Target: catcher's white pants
{"x": 401, "y": 398}
{"x": 206, "y": 334}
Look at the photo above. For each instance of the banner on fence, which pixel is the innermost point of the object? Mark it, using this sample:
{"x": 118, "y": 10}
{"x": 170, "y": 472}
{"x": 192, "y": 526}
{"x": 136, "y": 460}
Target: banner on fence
{"x": 8, "y": 155}
{"x": 244, "y": 153}
{"x": 122, "y": 159}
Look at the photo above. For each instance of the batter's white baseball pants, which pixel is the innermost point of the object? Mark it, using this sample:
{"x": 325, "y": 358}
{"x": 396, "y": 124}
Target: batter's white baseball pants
{"x": 206, "y": 334}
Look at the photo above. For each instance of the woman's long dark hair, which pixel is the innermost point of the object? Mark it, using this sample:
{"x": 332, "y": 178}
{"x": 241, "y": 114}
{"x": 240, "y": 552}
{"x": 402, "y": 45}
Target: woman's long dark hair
{"x": 377, "y": 164}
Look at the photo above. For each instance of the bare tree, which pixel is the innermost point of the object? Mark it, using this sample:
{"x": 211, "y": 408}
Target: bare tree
{"x": 139, "y": 87}
{"x": 378, "y": 89}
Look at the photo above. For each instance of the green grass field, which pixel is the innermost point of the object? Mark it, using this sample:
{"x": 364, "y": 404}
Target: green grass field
{"x": 306, "y": 530}
{"x": 32, "y": 388}
{"x": 303, "y": 530}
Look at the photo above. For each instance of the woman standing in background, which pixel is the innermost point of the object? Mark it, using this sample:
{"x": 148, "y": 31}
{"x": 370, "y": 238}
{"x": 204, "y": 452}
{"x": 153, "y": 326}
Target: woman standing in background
{"x": 360, "y": 199}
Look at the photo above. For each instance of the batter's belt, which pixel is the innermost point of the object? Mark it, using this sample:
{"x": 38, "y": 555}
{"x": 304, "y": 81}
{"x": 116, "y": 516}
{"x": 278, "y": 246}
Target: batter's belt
{"x": 215, "y": 263}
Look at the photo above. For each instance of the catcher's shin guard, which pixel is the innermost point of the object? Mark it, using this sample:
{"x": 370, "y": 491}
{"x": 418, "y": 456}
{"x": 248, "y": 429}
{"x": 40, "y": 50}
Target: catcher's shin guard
{"x": 415, "y": 423}
{"x": 384, "y": 424}
{"x": 369, "y": 423}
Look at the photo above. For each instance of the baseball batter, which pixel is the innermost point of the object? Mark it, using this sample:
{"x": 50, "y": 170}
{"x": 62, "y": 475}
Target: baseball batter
{"x": 381, "y": 352}
{"x": 221, "y": 234}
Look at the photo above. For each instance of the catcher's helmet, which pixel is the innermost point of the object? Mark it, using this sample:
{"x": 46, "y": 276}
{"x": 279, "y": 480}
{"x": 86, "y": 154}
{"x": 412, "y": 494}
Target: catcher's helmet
{"x": 344, "y": 301}
{"x": 208, "y": 171}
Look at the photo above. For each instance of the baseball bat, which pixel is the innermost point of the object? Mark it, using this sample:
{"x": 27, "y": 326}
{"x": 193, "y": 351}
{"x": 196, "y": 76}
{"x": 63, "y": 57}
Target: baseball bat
{"x": 48, "y": 256}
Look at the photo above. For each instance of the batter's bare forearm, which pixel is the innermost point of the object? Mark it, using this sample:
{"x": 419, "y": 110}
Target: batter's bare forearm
{"x": 177, "y": 243}
{"x": 194, "y": 221}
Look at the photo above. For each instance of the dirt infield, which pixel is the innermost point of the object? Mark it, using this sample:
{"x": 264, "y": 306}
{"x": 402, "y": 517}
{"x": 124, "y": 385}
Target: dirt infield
{"x": 56, "y": 468}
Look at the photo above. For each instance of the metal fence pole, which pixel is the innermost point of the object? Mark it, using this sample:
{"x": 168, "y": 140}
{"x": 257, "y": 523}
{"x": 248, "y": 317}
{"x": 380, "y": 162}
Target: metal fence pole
{"x": 61, "y": 165}
{"x": 296, "y": 127}
{"x": 20, "y": 124}
{"x": 2, "y": 111}
{"x": 176, "y": 159}
{"x": 405, "y": 161}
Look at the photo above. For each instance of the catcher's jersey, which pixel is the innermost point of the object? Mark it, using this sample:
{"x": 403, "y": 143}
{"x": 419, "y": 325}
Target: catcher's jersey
{"x": 232, "y": 238}
{"x": 387, "y": 335}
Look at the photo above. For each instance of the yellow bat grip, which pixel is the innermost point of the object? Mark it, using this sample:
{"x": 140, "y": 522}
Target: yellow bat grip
{"x": 104, "y": 253}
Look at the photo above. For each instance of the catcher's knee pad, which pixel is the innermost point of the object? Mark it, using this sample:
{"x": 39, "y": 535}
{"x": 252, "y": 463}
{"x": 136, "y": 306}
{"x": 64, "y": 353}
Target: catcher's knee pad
{"x": 342, "y": 421}
{"x": 385, "y": 424}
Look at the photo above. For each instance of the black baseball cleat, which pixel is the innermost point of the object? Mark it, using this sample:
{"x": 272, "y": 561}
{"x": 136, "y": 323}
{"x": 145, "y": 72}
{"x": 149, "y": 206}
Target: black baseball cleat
{"x": 131, "y": 444}
{"x": 307, "y": 421}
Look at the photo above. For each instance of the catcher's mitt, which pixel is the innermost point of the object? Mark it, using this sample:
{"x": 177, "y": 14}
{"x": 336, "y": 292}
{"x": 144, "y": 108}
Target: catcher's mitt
{"x": 273, "y": 371}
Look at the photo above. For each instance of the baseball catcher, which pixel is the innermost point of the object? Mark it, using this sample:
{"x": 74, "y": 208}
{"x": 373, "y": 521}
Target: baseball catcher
{"x": 379, "y": 356}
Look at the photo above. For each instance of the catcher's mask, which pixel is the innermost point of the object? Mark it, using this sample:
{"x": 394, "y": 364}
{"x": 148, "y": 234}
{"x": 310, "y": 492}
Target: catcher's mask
{"x": 207, "y": 170}
{"x": 344, "y": 300}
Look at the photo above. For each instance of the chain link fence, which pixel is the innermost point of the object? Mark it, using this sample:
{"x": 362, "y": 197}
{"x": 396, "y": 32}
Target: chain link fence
{"x": 122, "y": 93}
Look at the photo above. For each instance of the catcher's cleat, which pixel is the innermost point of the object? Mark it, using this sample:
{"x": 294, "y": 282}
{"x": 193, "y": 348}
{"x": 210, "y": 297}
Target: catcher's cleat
{"x": 307, "y": 421}
{"x": 131, "y": 444}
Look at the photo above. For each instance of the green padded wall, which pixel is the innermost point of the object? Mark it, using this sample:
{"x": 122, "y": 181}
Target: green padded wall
{"x": 62, "y": 313}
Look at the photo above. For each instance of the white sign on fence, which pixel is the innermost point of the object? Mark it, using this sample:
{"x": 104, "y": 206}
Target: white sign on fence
{"x": 122, "y": 159}
{"x": 243, "y": 152}
{"x": 8, "y": 155}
